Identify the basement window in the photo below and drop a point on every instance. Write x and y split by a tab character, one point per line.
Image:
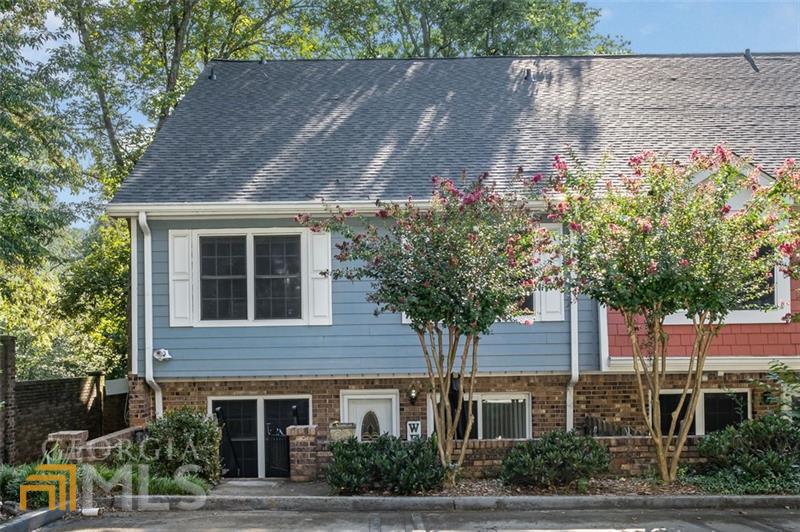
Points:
716	410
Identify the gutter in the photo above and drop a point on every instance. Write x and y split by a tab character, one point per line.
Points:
574	361
148	313
256	209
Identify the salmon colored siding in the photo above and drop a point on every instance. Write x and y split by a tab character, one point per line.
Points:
767	339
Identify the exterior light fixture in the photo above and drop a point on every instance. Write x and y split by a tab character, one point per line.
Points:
162	355
413	394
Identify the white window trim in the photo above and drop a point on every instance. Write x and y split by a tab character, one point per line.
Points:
389	393
249	234
260	434
700	413
489	395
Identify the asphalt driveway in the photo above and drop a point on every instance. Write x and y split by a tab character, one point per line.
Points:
578	520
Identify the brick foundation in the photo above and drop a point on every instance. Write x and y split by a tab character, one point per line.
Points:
610	397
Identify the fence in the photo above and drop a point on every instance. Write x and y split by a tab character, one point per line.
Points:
33	409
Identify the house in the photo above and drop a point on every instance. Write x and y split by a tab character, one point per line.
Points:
230	307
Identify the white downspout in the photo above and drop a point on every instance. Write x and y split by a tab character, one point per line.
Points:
574	361
602	331
148	313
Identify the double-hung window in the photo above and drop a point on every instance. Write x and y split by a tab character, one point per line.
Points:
246	277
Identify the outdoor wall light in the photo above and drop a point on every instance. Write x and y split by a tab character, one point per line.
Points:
412	394
162	355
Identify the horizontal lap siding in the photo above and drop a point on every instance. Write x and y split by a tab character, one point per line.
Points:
358	342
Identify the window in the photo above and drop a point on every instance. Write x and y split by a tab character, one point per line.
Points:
767	299
528	305
497	416
278	287
249	277
223	278
716	409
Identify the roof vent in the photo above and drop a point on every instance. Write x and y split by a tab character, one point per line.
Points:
749	57
212	75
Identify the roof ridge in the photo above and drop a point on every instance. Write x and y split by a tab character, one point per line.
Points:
498	57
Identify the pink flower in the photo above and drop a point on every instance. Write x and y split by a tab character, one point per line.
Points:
536	178
383	213
472	237
683	262
302	218
576	227
528	283
721	153
559	165
644	225
527	321
788	248
652	267
725	209
695	155
472	197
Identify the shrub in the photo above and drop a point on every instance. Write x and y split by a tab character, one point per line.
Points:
757	456
156	485
182	437
388	464
557	459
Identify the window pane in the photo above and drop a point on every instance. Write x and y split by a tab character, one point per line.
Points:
504	418
669	402
223	278
768	298
461	429
527	304
277	284
724	409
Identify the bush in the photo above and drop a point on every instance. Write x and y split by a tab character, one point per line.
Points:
12	477
182	437
156	485
387	464
557	459
757	456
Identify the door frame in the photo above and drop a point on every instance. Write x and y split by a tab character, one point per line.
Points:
260	432
385	393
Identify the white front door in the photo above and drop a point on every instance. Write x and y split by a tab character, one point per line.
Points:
372	416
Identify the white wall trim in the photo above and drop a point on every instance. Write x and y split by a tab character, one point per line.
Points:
386	393
621	364
261	209
134	295
602	331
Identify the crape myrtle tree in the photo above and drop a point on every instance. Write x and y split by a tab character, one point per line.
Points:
785	193
455	266
666	239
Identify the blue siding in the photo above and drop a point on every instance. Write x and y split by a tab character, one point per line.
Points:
358	342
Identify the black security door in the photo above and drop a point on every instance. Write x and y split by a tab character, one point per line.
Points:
279	414
239	449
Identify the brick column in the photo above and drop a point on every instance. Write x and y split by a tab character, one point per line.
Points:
302	452
139	407
8	374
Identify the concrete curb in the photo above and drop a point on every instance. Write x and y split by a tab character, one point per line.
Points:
32	520
519	503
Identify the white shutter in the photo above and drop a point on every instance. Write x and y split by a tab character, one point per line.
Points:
180	278
549	304
320	307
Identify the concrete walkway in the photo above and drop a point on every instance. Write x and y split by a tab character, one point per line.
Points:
575	520
259	487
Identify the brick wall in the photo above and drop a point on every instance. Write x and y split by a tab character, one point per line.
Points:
47	406
547	405
767	339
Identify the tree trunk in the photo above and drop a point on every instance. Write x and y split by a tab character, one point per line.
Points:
440	361
180	29
650	372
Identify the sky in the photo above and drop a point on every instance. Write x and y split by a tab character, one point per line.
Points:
661	26
688	26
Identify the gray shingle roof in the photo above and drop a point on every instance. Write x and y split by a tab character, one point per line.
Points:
355	130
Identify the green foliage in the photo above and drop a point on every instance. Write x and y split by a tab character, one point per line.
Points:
12	477
763	448
759	456
186	484
387	464
182	437
663	243
557	459
95	287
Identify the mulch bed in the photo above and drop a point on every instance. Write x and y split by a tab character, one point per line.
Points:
596	486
